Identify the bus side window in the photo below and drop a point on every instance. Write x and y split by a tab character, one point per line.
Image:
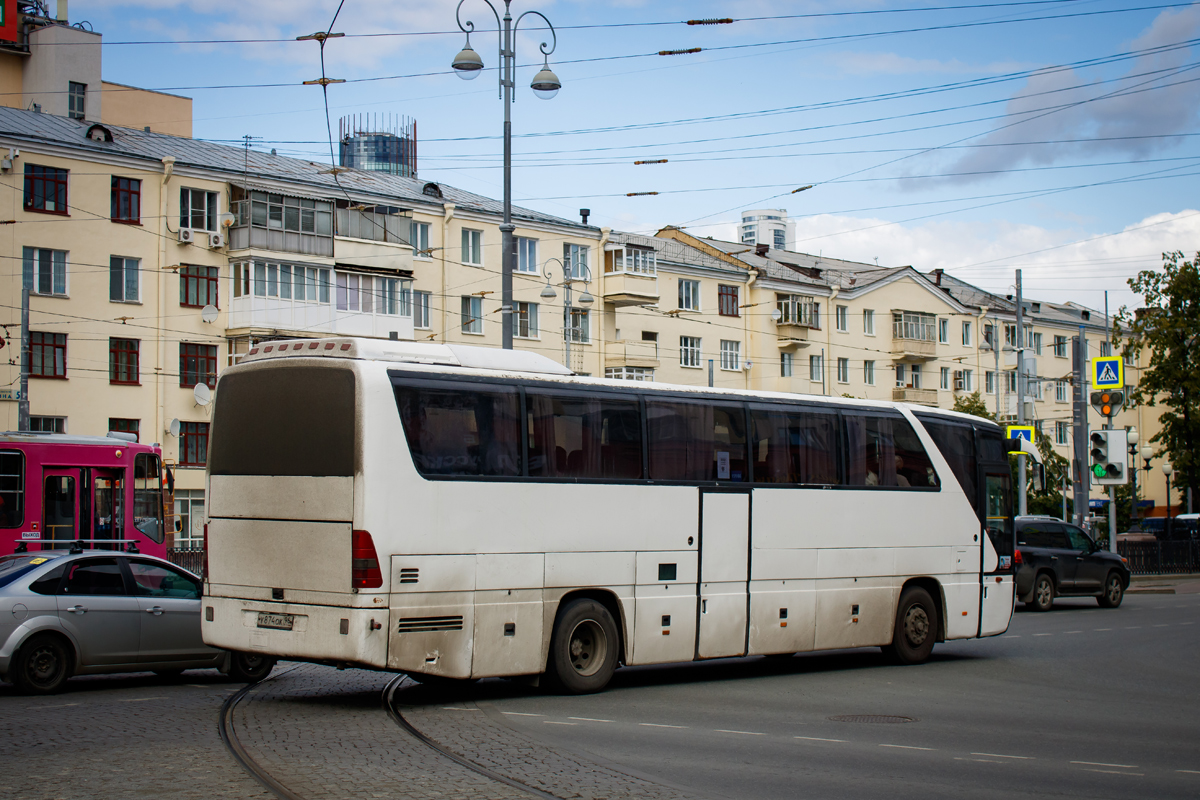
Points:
883	450
593	437
462	429
795	445
696	442
957	443
12	488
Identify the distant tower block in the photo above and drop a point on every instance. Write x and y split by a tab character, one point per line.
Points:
379	142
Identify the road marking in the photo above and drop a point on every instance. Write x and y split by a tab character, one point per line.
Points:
1161	625
61	705
141	699
907	747
980	760
657	725
589	719
1185	623
843	741
1001	755
1072	631
521	714
1114	772
1102	764
1102	629
1043	634
744	733
552	722
1189	771
458	708
1132	627
1011	636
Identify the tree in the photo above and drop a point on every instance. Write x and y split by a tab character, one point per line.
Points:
973	404
1167	329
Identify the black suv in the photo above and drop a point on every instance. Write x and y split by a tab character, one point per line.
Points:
1054	558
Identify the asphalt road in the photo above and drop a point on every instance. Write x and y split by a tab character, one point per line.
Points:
1077	702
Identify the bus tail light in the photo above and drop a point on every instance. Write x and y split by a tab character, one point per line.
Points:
364	569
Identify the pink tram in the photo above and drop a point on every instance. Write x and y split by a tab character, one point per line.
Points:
60	491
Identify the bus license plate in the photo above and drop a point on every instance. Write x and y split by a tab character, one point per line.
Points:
282	622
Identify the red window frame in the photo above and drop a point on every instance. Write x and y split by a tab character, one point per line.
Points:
193	444
198	286
125	426
43	182
727	301
124	361
47	345
197	364
126	205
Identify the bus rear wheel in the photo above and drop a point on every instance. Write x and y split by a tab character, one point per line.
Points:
916	627
583	648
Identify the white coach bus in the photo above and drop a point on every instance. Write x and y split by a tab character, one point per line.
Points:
461	512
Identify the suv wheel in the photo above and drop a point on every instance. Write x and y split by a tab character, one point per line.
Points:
1043	593
1114	592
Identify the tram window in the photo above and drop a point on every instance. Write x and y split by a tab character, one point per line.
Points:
883	450
696	442
592	437
12	489
794	445
462	429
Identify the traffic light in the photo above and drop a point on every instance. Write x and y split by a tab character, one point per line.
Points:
1109	457
1108	403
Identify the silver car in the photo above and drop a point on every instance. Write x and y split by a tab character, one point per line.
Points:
82	613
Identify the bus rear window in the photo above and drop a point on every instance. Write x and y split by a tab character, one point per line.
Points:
12	488
285	420
456	429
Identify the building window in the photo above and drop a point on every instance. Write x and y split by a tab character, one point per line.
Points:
943	331
912	325
989	382
967	376
577	325
1060	346
843	370
869	373
308	284
1060	432
1010	382
1105	349
989	335
1037	344
527	255
197	364
421	309
294	224
48	424
689	351
637	260
47	355
123	279
731	355
193	444
966	337
45	271
785	365
1061	391
198	209
900	383
76	100
780	239
869	322
45	189
189	510
689	295
1010	335
198	286
123	361
914	379
795	309
472	314
525	320
126	203
727	300
419	239
629	373
363	293
125	426
575	257
945	377
472	247
816	369
842	317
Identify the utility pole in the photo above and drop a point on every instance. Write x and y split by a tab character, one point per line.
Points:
1112	490
996	352
1079	426
23	403
1022	507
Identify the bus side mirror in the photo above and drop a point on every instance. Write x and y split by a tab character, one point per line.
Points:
1039	477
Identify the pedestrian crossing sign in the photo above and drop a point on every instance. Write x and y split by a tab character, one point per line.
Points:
1108	373
1020	432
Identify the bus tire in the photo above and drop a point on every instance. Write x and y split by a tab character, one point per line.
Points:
916	627
583	647
249	667
42	665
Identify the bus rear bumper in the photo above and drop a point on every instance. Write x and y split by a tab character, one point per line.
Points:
318	633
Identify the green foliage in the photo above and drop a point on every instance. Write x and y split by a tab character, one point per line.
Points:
1058	474
973	404
1167	330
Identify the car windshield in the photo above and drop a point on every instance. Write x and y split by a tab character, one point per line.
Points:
13	567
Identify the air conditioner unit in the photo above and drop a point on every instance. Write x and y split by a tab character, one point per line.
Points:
187	236
959	384
216	240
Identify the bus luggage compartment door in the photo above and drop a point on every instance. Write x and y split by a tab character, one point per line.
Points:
997	605
724	574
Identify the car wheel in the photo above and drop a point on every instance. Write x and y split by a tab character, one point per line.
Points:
1043	593
583	648
916	628
42	665
250	667
1114	591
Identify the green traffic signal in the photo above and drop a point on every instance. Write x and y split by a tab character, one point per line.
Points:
1098	470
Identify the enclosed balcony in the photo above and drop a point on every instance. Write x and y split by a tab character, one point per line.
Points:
913	336
795	315
632	354
630	276
925	397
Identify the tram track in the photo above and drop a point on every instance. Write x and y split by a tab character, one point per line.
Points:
234	745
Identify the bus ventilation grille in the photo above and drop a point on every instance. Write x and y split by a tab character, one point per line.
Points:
409	574
427	624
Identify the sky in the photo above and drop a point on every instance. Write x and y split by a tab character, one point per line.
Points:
1058	137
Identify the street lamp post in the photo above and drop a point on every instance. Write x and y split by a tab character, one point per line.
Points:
1133	437
585	299
1167	470
545	85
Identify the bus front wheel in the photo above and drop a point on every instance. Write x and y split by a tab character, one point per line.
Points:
916	627
583	648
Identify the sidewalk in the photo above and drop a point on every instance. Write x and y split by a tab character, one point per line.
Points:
1165	584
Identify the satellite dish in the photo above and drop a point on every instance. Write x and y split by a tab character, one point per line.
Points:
173	429
209	314
202	394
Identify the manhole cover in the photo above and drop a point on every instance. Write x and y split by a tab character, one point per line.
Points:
872	718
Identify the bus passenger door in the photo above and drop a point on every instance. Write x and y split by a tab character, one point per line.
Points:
61	497
996	571
724	573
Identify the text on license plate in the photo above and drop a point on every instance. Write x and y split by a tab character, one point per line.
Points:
281	622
